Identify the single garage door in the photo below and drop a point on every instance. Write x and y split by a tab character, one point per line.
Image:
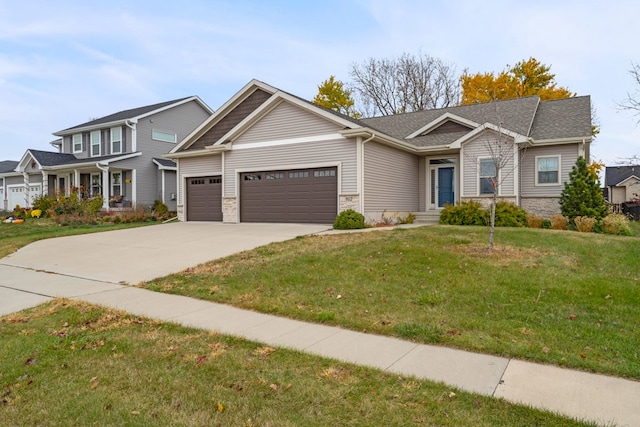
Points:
204	198
299	196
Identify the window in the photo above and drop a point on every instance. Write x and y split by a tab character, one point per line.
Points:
216	180
324	173
163	136
116	183
253	177
116	140
77	142
487	176
548	170
302	174
276	175
95	143
96	184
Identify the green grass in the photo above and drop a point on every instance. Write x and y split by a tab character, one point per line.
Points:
15	236
563	298
70	363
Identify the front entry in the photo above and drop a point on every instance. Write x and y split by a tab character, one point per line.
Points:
445	186
442	183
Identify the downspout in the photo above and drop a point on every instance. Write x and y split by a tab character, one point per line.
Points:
105	185
360	166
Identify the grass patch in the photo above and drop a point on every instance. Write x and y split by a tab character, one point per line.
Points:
564	298
70	363
15	236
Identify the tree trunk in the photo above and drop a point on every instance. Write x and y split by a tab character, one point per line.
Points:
492	220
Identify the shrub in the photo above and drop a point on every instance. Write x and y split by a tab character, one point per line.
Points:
582	196
584	224
534	221
559	222
508	215
616	224
44	202
409	219
349	220
160	210
468	212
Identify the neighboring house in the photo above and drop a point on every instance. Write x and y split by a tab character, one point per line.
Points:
269	156
622	183
7	168
117	156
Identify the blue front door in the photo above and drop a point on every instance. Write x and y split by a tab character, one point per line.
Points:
445	186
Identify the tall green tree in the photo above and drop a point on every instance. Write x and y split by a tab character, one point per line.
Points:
333	94
582	195
525	78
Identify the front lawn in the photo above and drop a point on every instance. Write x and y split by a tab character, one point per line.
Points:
70	363
557	297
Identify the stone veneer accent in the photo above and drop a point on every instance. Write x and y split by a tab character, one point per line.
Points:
349	201
180	212
229	209
541	206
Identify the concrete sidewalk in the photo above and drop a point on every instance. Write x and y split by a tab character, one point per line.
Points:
27	279
602	399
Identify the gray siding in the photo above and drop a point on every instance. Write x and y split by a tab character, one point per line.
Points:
197	166
391	179
291	156
181	120
568	156
287	121
477	148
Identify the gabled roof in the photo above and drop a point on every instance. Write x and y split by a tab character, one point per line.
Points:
132	114
614	175
8	166
54	160
238	114
525	119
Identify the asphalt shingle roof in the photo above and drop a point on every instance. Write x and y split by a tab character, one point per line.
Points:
565	118
7	166
614	175
50	158
165	162
126	114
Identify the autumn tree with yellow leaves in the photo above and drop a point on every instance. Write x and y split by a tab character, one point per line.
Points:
333	94
526	78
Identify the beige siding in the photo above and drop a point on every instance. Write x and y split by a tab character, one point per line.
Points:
287	121
568	156
422	184
478	148
197	166
391	179
341	151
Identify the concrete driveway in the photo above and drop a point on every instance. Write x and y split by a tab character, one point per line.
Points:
141	254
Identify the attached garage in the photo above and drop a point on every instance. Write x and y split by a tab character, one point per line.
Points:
296	196
204	198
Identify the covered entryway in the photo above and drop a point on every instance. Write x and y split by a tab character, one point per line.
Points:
204	198
295	196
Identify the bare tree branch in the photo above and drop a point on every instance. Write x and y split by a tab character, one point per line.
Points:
405	84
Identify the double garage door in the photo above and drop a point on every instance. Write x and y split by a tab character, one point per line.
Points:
297	196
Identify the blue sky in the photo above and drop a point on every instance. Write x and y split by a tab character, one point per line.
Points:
65	62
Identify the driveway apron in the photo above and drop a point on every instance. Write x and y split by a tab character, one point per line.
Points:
144	253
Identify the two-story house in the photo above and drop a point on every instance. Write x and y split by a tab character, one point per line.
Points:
118	156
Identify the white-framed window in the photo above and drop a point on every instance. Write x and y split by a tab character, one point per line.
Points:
96	143
547	170
116	183
487	177
116	140
96	184
76	142
159	135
